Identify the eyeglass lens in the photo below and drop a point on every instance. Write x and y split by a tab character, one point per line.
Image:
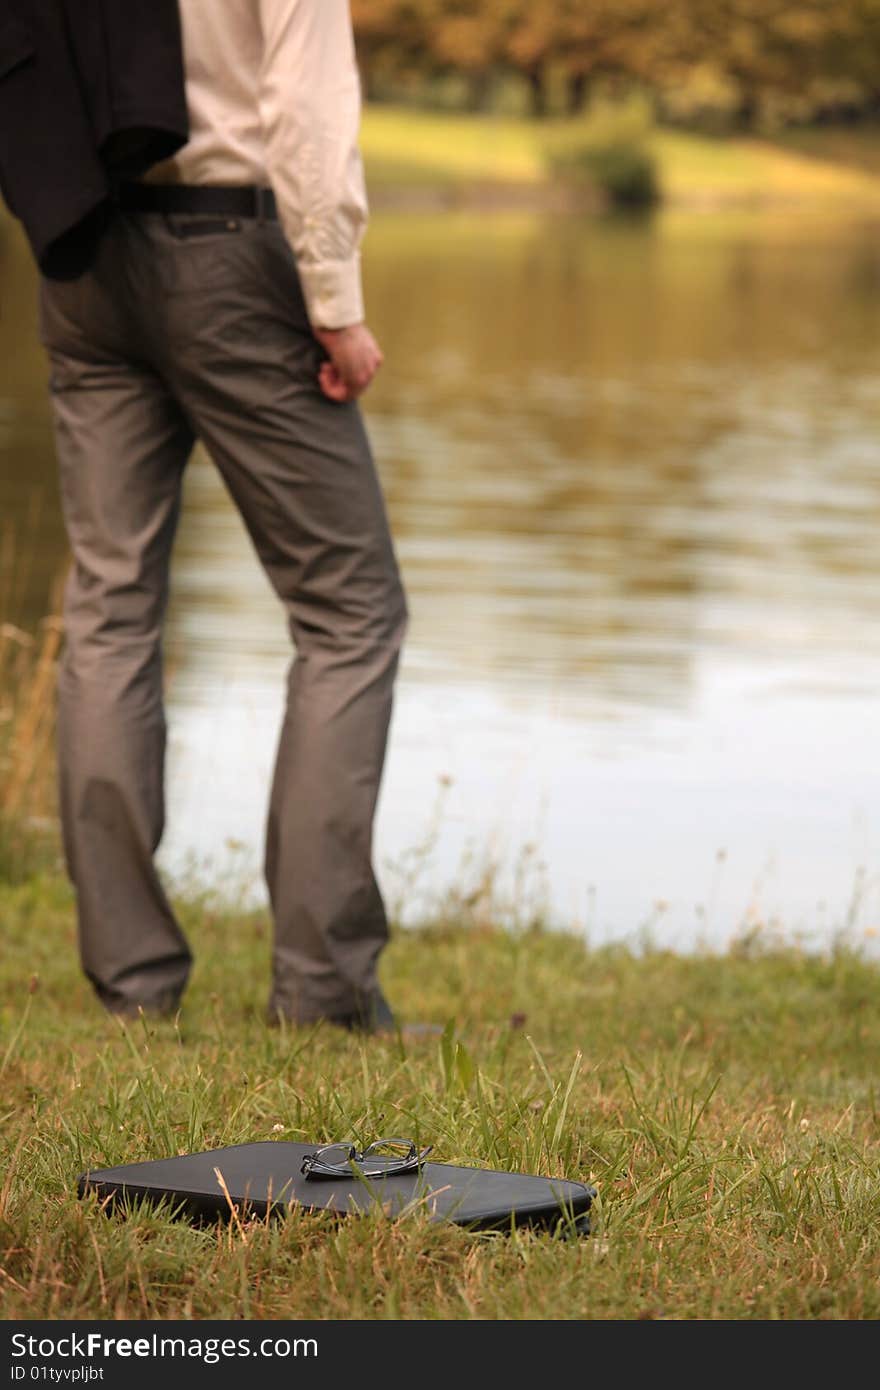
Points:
386	1153
336	1155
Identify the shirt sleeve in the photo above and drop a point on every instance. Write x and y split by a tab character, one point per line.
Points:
310	105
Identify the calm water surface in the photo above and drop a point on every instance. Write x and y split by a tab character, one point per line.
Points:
634	481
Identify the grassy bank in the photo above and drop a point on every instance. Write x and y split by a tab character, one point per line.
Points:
458	158
725	1108
28	664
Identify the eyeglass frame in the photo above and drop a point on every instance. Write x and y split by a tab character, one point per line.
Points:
313	1166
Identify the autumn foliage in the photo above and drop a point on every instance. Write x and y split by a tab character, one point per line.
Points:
749	58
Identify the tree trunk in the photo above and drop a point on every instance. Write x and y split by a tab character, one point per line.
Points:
535	78
479	90
747	110
365	69
576	94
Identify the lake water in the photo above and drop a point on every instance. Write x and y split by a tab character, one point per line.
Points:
633	475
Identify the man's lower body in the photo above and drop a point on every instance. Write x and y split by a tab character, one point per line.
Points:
195	328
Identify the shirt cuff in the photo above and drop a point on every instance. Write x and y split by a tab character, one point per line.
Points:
333	293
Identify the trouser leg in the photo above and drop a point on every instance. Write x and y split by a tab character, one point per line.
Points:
300	469
122	446
347	616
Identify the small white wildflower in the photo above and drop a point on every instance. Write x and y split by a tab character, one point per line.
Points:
278	1129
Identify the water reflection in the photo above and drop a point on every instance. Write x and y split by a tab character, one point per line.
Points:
634	485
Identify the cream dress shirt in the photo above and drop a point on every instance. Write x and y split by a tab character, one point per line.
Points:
274	98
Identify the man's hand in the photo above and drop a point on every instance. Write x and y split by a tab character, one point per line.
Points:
355	357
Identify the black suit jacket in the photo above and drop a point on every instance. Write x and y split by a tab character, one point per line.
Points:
90	91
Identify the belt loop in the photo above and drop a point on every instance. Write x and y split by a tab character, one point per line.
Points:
265	204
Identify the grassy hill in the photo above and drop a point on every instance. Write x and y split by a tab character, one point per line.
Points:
463	158
725	1107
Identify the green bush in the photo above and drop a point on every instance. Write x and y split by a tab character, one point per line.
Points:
626	173
609	151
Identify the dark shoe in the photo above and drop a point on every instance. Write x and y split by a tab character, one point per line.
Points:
392	1029
375	1018
130	1010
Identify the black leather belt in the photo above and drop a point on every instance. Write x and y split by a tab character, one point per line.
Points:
199	199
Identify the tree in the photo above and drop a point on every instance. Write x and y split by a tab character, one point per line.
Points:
467	36
764	51
389	35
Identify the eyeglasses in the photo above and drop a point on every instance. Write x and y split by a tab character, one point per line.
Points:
384	1158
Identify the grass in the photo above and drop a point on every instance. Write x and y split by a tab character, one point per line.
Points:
724	1107
411	146
852	146
463	158
28	661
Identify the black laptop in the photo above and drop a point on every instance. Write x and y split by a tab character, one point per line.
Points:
255	1179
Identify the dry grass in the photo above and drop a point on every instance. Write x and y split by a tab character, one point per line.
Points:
28	666
725	1107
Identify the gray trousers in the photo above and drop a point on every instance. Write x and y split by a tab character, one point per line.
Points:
187	328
